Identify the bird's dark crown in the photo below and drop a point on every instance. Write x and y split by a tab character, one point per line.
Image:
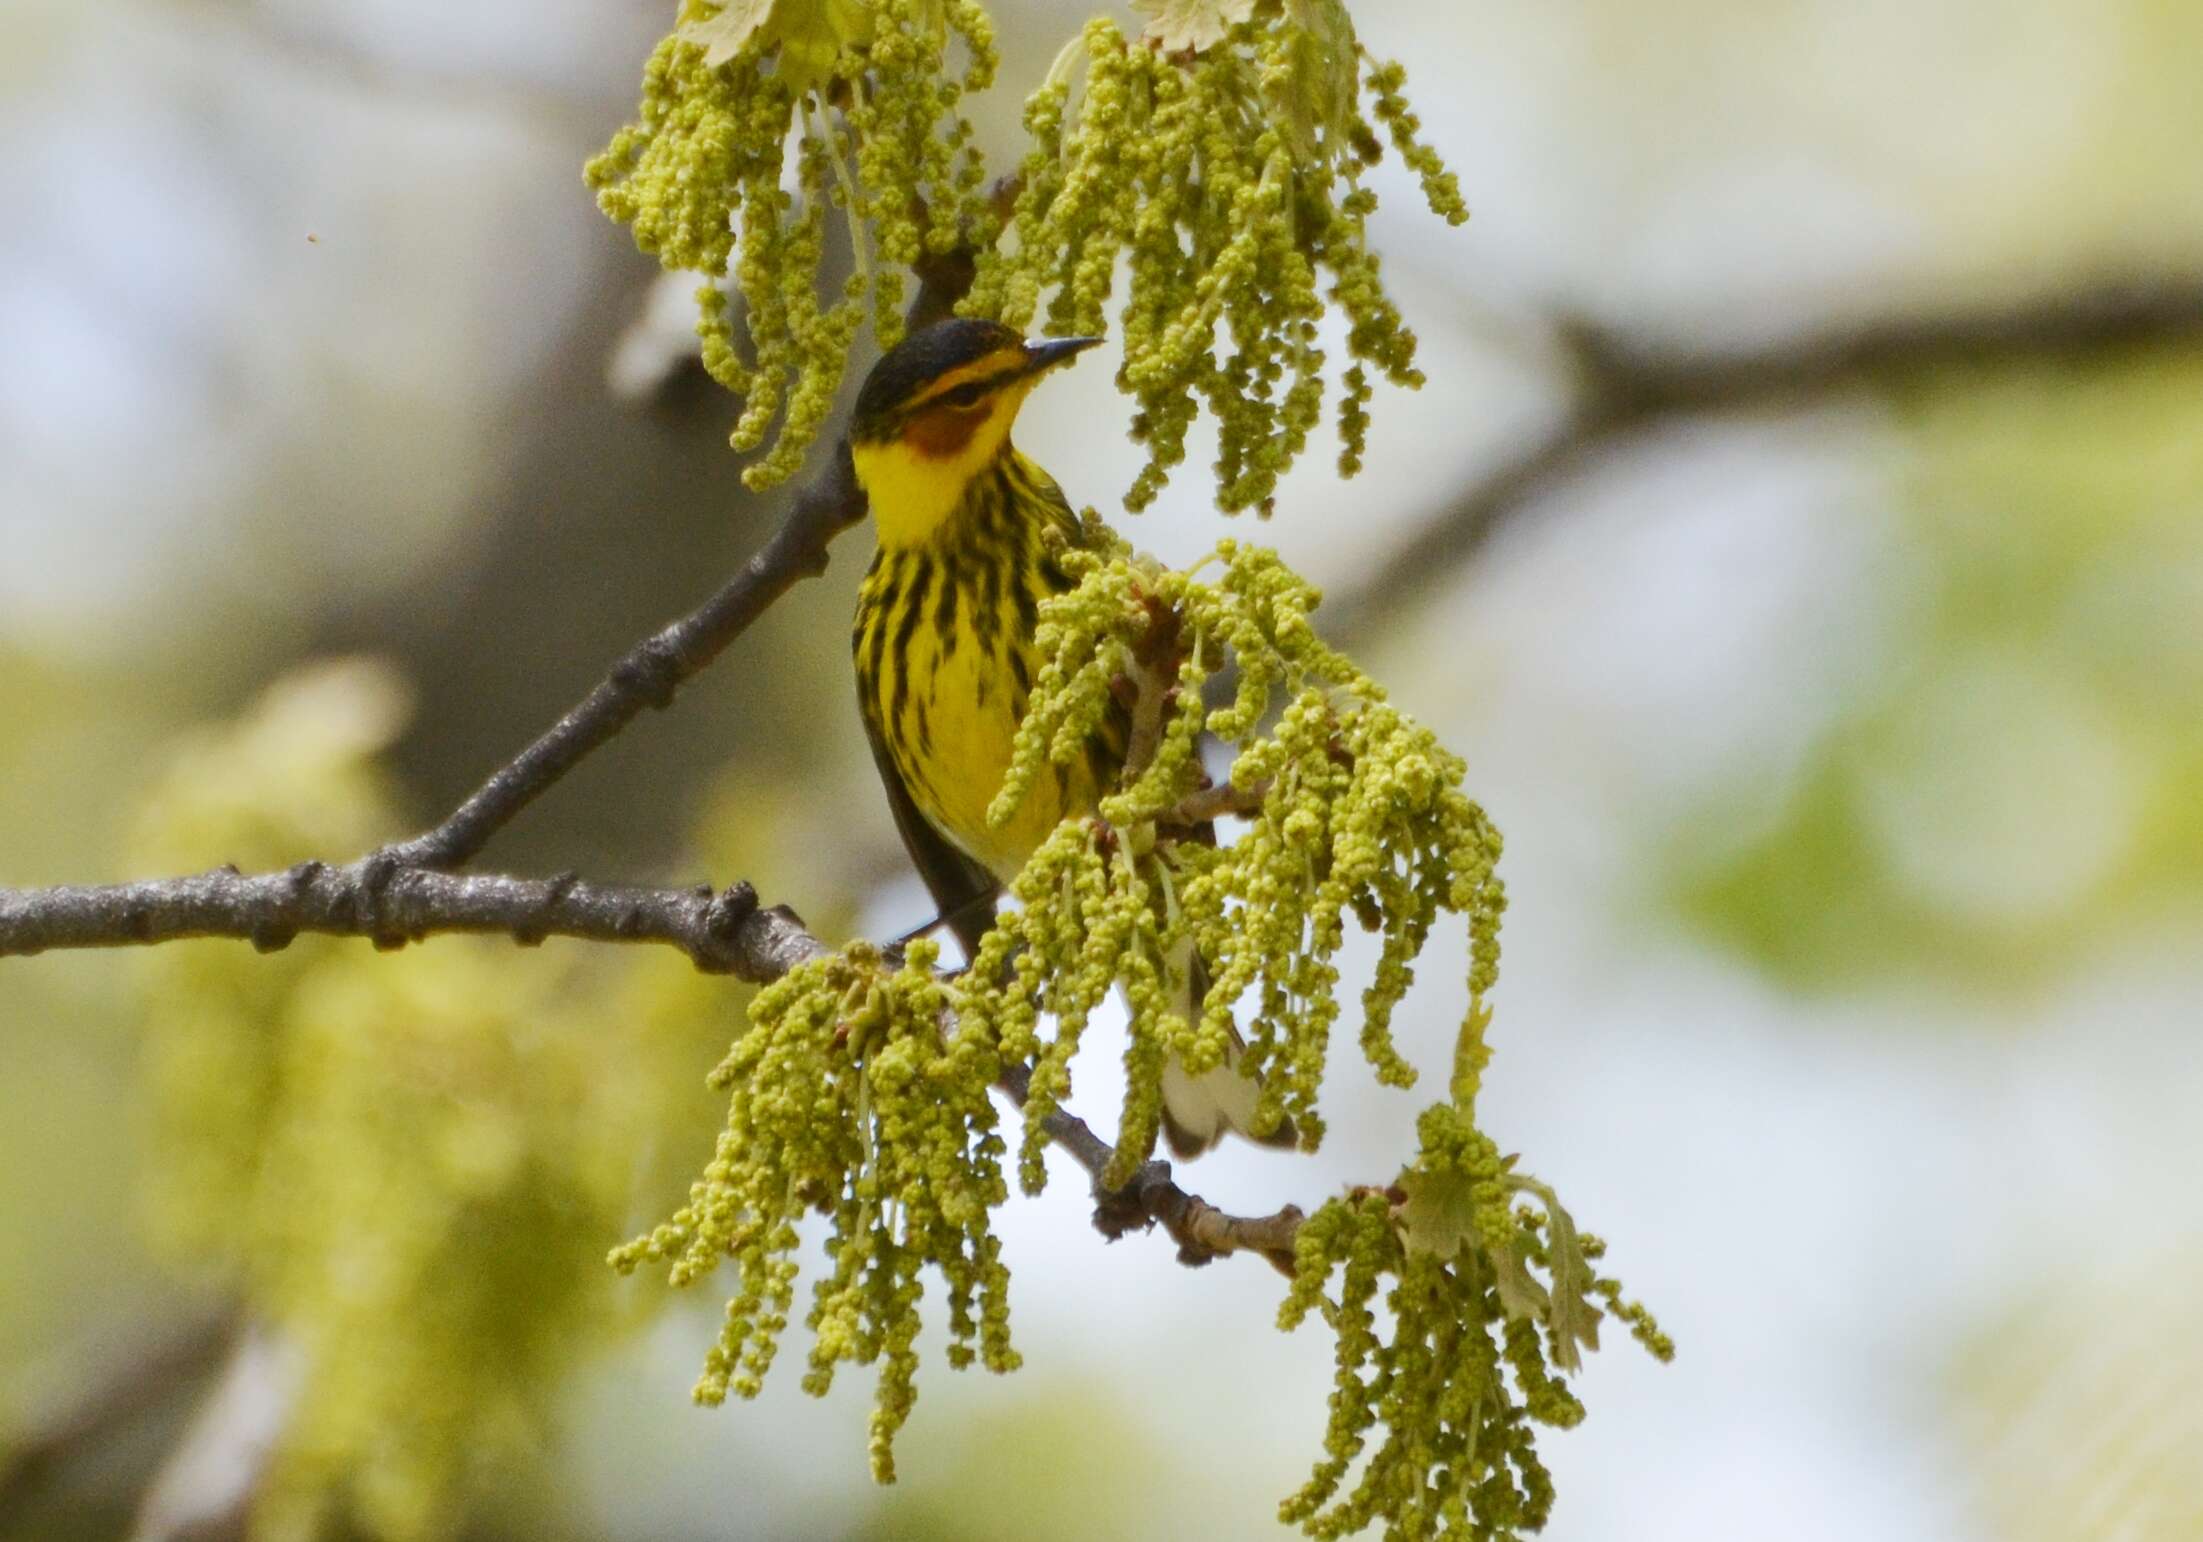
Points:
919	360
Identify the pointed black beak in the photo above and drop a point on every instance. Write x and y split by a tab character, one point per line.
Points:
1047	352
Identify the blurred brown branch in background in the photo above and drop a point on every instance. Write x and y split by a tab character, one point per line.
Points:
648	676
1621	391
101	1400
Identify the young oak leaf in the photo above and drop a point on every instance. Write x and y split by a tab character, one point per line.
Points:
1571	1318
1520	1294
1439	1214
1438	1217
810	34
726	31
1190	26
1316	102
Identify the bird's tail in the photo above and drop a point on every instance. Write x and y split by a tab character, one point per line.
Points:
1198	1111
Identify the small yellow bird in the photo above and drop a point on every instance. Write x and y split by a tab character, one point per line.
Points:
944	643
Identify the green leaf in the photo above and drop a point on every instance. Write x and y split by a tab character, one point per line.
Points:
810	35
727	31
1317	102
1519	1291
1190	26
1439	1214
1571	1318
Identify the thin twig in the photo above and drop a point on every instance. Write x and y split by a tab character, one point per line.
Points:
1214	802
726	933
1153	1198
1150	681
654	669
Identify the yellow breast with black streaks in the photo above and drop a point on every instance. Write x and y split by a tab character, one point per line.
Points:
946	662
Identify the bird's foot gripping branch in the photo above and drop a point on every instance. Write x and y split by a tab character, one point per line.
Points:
861	1087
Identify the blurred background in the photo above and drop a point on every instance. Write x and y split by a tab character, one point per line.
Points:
1801	535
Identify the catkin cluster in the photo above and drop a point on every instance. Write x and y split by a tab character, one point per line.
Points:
1223	165
1486	1305
1352	809
861	90
861	1088
849	1099
1356	811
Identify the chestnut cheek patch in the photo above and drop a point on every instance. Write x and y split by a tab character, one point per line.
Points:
941	433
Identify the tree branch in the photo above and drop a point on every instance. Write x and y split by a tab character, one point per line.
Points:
724	933
1153	1198
1622	391
353	900
1214	802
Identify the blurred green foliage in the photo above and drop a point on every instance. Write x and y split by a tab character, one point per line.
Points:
2024	783
405	1167
72	748
962	1484
408	1167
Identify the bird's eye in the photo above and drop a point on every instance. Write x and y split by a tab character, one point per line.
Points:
965	395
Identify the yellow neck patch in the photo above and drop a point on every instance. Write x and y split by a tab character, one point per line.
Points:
918	479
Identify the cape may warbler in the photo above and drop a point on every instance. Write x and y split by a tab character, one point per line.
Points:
944	641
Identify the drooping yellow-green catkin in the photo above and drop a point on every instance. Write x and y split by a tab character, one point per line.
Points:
1222	166
861	1087
1216	163
1486	1307
848	1100
1361	815
862	91
1219	157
